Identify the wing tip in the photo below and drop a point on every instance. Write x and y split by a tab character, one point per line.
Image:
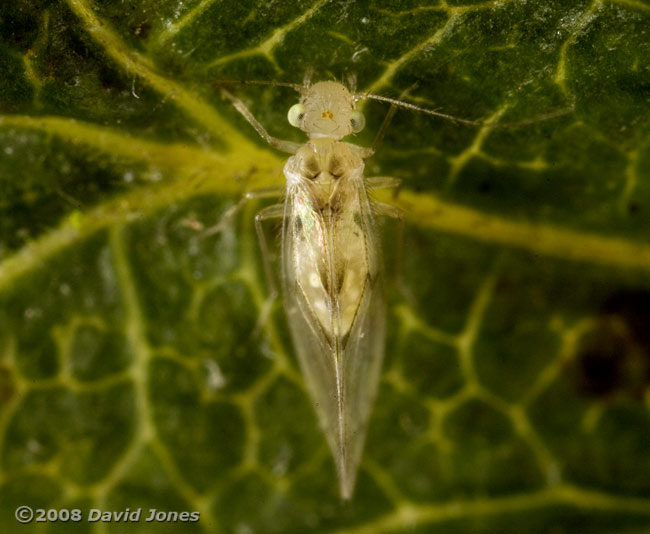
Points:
347	475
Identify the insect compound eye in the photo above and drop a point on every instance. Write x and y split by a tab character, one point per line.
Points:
358	121
296	114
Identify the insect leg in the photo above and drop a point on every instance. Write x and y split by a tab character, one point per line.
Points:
280	144
383	182
388	210
389	117
227	217
363	151
275	211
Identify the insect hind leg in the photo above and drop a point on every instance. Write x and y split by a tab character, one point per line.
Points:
275	211
230	213
388	210
384	182
270	212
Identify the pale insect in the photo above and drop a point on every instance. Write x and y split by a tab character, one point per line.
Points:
331	261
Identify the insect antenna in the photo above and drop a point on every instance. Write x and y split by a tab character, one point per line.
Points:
294	86
352	82
395	103
539	118
306	80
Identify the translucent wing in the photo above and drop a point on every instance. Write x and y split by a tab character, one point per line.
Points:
334	301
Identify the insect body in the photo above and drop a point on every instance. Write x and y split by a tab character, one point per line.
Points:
332	292
332	285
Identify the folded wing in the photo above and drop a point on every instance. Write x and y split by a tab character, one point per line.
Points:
334	301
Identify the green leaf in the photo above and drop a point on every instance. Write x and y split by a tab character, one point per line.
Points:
515	395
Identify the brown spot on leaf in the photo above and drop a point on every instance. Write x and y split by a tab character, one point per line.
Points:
613	358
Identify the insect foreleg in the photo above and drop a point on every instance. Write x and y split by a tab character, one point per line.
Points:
227	217
280	144
389	117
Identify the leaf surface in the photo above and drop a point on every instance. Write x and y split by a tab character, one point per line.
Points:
515	393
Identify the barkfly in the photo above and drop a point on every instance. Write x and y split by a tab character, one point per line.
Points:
331	259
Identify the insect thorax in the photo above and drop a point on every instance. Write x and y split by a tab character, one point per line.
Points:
330	261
